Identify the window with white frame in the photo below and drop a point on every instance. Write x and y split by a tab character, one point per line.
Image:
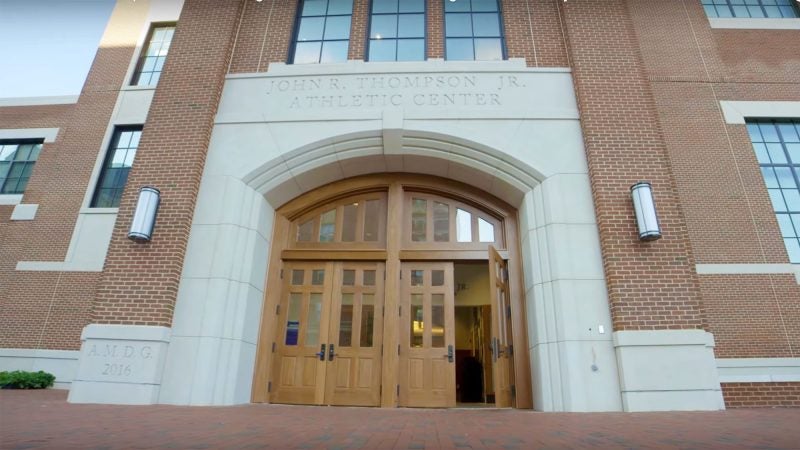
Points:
778	9
777	147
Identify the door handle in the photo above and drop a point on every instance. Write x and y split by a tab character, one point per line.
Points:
321	353
450	354
331	353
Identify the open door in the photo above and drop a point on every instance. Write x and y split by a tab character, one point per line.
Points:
501	347
427	345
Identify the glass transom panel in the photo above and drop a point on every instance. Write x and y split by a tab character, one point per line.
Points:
359	222
437	221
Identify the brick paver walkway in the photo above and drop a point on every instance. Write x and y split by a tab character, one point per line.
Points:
43	419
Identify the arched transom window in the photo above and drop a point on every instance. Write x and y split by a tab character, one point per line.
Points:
357	221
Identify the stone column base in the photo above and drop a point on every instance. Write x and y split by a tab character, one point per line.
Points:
668	370
120	364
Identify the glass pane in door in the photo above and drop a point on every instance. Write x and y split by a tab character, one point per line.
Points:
437	320
417	324
293	318
314	316
367	320
346	321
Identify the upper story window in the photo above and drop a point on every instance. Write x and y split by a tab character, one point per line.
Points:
777	146
17	159
473	30
397	30
151	63
116	167
751	8
323	31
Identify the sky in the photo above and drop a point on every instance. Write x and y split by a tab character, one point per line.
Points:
47	46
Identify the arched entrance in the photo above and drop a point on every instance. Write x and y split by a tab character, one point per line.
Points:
372	306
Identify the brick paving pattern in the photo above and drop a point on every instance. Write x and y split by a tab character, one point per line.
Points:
43	419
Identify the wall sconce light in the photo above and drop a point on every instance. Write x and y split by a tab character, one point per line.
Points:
144	217
645	208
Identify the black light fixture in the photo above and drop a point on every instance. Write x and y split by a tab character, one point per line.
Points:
645	208
144	217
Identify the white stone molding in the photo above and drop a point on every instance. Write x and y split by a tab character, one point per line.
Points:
24	212
38	101
764	23
264	153
758	370
61	363
120	364
736	112
47	134
668	370
10	199
88	246
748	269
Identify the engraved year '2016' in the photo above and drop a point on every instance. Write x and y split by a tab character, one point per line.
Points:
119	370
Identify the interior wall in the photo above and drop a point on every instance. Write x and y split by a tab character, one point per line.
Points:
474	282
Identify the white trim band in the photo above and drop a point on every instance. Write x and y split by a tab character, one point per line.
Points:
38	101
736	112
48	134
61	363
765	23
758	370
749	269
59	266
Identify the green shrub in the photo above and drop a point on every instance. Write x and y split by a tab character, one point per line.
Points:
26	380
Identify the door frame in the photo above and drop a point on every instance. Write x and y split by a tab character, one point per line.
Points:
395	184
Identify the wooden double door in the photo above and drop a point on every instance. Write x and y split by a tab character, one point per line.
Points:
328	350
329	345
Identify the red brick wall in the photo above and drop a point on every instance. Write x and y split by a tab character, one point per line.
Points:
359	26
264	36
651	285
40	116
140	280
749	319
533	31
761	395
49	309
46	310
692	67
435	29
729	217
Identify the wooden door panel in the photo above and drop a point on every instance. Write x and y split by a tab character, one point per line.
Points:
427	376
502	361
287	364
356	332
439	374
303	317
366	373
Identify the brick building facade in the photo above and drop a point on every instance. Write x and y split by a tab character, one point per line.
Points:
561	107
